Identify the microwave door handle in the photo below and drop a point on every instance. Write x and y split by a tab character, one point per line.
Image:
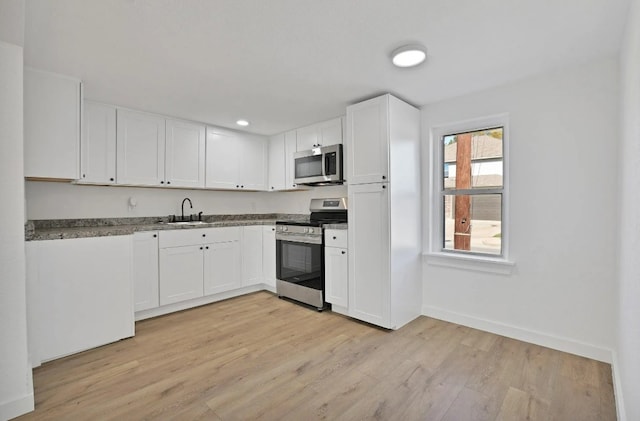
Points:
324	165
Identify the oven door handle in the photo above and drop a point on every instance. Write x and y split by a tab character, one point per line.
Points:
299	240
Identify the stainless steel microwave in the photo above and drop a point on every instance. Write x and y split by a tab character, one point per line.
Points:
319	166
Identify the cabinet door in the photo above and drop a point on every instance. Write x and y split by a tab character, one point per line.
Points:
222	159
51	125
290	150
330	132
307	137
336	276
140	148
82	294
98	151
369	253
367	152
269	255
276	178
145	270
181	273
253	163
185	154
251	255
221	267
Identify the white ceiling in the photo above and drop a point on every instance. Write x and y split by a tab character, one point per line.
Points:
283	64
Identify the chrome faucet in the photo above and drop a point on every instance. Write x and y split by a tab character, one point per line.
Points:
190	204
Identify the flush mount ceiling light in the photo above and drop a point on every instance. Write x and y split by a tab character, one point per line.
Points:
409	55
243	123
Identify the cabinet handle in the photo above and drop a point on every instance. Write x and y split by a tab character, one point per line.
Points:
200	248
343	252
168	182
242	187
204	235
384	187
271	187
84	175
335	238
384	177
162	182
273	229
112	179
207	247
155	235
237	186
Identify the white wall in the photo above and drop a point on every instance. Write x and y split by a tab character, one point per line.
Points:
563	218
627	361
16	388
50	200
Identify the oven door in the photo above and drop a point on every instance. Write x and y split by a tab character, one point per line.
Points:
300	263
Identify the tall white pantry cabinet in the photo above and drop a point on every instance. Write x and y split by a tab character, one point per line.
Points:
384	232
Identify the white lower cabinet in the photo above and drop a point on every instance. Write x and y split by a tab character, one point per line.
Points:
269	256
369	256
198	262
251	255
80	294
336	269
145	270
221	267
181	273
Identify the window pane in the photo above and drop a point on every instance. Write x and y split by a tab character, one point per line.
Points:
477	225
473	159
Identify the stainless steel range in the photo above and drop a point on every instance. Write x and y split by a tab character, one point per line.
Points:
300	252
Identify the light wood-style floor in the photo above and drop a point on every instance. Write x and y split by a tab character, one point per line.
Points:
258	357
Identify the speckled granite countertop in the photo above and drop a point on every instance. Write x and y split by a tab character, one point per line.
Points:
56	229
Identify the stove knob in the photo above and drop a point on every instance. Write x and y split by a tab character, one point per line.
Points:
285	229
310	230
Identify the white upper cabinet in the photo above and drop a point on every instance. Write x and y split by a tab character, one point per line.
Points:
235	160
307	138
367	148
51	125
277	170
185	154
222	159
98	150
141	148
154	151
320	134
253	163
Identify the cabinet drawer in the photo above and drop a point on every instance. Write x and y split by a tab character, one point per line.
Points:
182	237
222	234
335	238
192	237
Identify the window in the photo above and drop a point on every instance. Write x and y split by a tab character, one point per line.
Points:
470	189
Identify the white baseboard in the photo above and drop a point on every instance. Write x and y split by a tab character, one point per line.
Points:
17	407
196	302
617	388
539	338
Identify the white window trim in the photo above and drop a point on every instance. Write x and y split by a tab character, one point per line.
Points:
435	254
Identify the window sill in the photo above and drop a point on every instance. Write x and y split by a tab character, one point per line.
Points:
473	263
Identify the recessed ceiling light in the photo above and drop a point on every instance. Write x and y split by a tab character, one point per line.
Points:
409	55
243	123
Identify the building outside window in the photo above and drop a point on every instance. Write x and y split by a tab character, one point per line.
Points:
470	189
